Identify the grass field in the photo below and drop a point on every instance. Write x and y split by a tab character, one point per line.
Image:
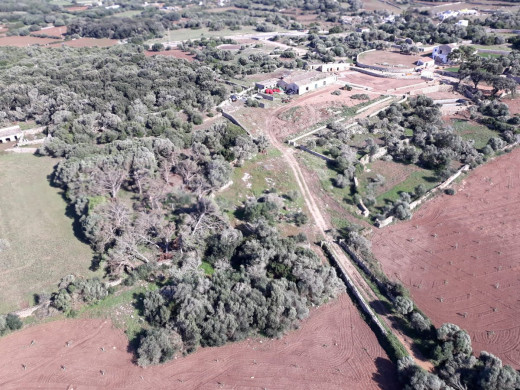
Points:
421	176
42	247
264	172
187	33
469	130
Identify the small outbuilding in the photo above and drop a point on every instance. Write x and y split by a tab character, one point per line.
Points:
265	84
10	134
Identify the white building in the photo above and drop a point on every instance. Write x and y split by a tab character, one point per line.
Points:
330	67
468	12
463	22
269	83
300	82
447	14
440	53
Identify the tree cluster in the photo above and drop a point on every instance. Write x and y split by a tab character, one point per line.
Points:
262	284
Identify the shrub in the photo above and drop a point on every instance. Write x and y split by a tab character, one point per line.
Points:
360	96
157	346
449	191
300	219
403	305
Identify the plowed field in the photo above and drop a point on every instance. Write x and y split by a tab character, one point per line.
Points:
460	257
334	349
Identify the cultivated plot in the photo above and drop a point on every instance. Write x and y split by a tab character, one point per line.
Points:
459	257
334	349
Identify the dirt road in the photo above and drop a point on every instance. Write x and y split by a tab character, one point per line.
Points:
273	125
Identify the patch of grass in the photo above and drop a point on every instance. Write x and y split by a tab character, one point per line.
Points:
469	130
33	220
127	14
489	55
120	308
342	195
455	69
422	176
264	172
187	33
27	125
208	268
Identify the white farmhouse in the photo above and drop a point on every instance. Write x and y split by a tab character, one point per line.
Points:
463	22
300	82
440	53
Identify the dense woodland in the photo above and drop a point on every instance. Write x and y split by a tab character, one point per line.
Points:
139	181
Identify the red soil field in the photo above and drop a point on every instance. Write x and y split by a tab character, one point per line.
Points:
334	349
52	31
514	105
177	53
459	257
87	42
24	41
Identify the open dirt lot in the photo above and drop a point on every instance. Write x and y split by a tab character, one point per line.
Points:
459	257
177	53
42	247
379	84
391	58
334	349
299	115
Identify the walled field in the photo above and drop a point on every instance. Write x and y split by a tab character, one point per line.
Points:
379	84
334	349
42	245
87	42
459	257
398	178
19	41
177	53
385	58
52	31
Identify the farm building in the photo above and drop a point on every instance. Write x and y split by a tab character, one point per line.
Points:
440	53
10	134
300	82
463	22
330	67
269	83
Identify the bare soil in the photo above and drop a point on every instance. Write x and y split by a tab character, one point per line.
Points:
379	84
52	31
20	41
459	257
514	105
177	53
333	349
303	112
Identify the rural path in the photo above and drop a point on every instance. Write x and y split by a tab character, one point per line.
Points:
322	226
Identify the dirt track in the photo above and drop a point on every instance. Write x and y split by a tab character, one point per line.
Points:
459	257
334	349
276	131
